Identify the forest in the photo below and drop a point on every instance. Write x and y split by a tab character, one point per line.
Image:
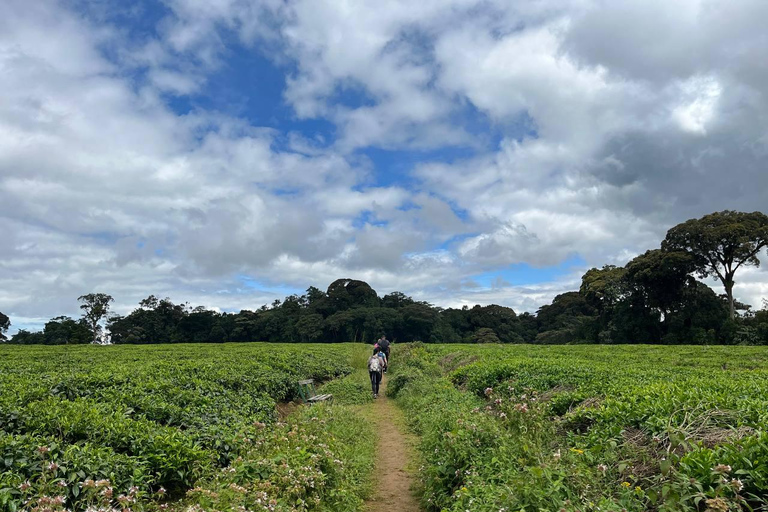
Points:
656	298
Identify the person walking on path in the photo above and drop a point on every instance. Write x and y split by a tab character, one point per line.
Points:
384	361
384	347
375	369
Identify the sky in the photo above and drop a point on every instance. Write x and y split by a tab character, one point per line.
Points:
230	152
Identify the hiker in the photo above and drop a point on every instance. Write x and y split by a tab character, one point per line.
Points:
375	369
383	358
382	355
383	344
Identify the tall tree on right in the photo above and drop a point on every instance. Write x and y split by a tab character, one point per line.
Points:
720	244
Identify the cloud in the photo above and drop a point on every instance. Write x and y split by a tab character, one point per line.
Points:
528	133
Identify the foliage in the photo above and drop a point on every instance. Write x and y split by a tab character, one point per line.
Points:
319	460
720	243
25	337
164	417
61	330
754	329
589	428
349	311
5	324
485	335
661	278
95	308
354	389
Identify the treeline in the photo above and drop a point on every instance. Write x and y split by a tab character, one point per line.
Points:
349	310
655	298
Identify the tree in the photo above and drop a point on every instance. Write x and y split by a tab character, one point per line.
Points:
720	244
454	326
491	316
5	323
661	281
24	337
761	323
150	302
526	327
245	326
485	335
500	319
700	318
419	319
605	290
63	330
603	287
345	325
396	300
569	318
95	308
309	328
198	327
349	293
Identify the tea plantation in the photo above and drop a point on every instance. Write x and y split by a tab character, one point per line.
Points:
587	428
176	427
500	427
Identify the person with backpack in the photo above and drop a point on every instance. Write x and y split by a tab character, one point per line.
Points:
375	370
383	358
383	344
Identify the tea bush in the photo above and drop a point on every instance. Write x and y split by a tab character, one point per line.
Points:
139	426
318	460
354	389
590	428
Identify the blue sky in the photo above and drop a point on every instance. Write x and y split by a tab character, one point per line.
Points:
230	152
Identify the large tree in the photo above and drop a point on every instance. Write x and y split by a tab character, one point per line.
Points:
350	293
603	287
5	323
569	318
605	290
95	308
24	337
720	244
661	278
63	330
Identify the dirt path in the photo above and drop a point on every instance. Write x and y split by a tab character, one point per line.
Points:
393	487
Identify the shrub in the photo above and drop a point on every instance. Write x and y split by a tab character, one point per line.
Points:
627	428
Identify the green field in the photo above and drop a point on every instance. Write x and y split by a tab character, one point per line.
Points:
174	425
581	428
500	427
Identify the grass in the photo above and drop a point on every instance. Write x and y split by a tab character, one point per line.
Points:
355	388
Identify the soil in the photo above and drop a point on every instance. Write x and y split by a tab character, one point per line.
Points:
394	481
285	409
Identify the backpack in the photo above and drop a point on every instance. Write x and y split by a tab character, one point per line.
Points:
374	364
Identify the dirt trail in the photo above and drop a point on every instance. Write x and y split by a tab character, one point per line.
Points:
393	486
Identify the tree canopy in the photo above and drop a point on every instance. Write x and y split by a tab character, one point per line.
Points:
720	243
95	308
5	324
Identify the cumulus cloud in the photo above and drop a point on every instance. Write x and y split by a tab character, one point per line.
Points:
581	128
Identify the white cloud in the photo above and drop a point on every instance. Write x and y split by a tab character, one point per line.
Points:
612	121
700	101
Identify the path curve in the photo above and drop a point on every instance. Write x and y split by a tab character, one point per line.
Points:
393	482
